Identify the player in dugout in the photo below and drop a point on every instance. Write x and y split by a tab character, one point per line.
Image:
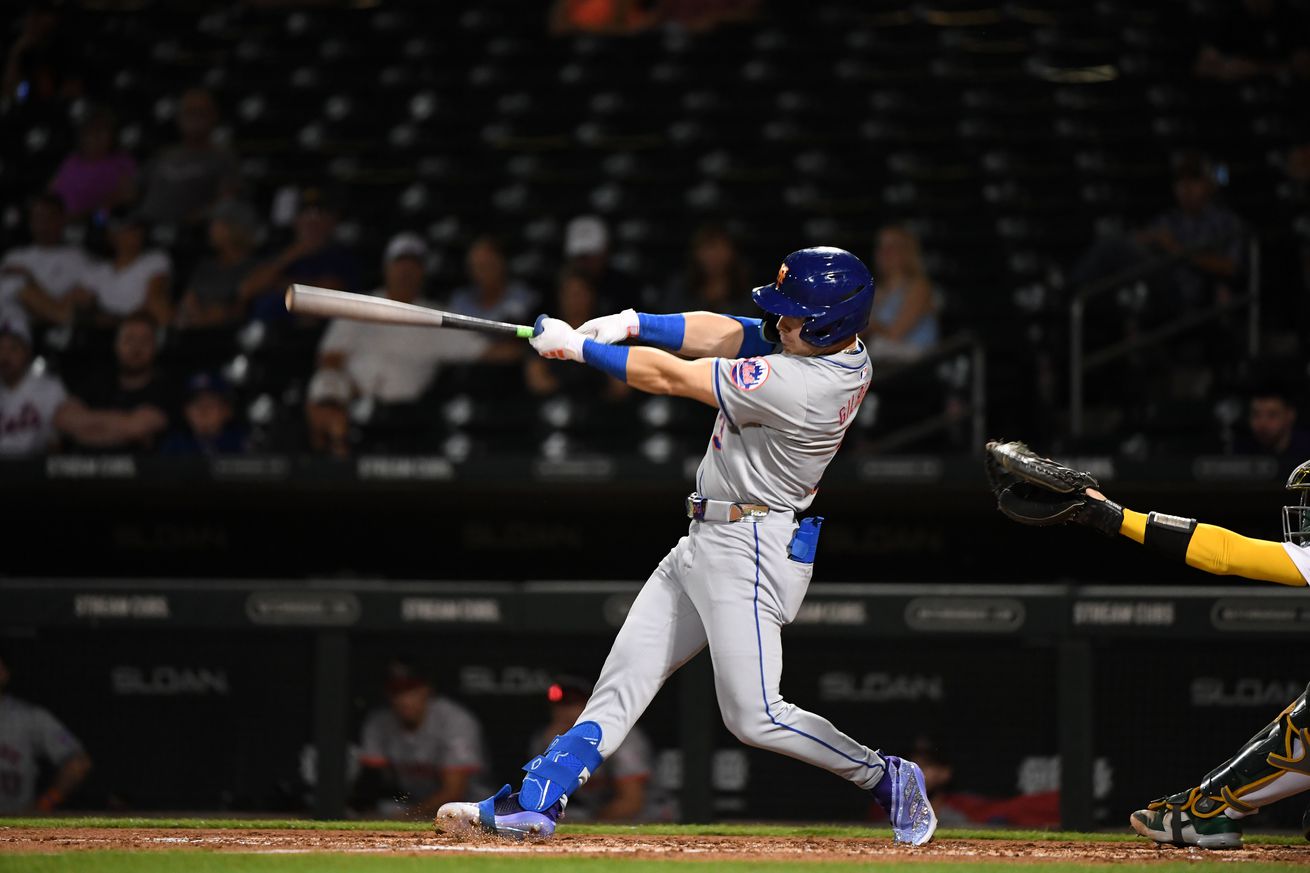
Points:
32	739
418	752
1273	764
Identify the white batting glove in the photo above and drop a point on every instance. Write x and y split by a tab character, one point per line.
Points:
610	329
553	338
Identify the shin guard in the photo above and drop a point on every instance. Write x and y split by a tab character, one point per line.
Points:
564	767
1272	765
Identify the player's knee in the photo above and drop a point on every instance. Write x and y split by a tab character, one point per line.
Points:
751	728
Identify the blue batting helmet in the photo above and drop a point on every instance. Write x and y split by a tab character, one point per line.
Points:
830	288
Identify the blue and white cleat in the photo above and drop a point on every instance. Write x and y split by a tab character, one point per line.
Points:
502	816
903	794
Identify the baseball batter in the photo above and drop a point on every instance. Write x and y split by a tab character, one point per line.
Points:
1272	765
786	389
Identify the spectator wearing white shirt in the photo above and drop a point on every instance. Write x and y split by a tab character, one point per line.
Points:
391	363
43	277
135	279
28	399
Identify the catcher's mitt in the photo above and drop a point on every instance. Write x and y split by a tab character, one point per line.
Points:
1039	491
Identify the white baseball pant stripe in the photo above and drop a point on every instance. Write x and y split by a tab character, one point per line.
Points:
730	586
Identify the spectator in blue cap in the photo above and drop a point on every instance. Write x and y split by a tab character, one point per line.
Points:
211	425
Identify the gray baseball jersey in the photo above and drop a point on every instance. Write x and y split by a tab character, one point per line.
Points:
448	738
781	421
733	586
29	735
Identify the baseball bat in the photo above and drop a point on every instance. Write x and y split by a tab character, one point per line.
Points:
325	302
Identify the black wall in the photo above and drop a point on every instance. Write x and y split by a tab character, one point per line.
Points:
915	520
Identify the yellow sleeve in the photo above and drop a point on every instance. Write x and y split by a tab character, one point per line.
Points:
1224	553
1134	526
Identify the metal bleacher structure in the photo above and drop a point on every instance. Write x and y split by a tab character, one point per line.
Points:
1007	135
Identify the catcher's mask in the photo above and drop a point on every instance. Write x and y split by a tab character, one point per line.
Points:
1296	518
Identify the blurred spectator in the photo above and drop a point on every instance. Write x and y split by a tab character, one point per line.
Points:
186	180
1271	419
43	277
618	17
586	248
1298	166
42	65
717	277
96	176
1197	223
1297	195
903	324
134	278
313	257
492	293
213	295
396	363
599	16
211	427
128	410
619	791
699	16
327	413
420	751
575	303
1256	38
1209	237
32	740
28	399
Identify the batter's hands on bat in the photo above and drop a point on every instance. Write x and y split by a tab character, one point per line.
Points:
553	338
610	329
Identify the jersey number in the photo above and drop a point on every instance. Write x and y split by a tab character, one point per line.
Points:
717	439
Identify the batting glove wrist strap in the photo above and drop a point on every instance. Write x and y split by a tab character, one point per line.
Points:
607	359
753	341
665	331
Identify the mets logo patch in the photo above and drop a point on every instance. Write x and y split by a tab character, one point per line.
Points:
750	373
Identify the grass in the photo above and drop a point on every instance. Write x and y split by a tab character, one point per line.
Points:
204	862
674	830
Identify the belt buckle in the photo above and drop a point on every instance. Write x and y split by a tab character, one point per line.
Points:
695	506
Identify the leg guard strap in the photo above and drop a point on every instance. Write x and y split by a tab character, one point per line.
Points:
487	808
566	765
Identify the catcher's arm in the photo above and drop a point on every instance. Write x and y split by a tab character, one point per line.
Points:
1210	548
1039	491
